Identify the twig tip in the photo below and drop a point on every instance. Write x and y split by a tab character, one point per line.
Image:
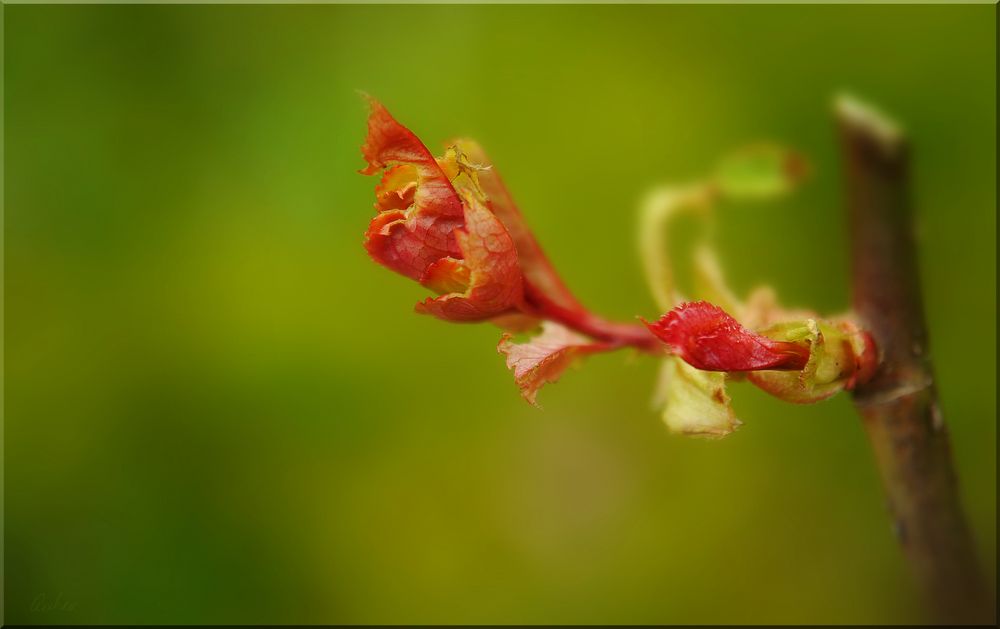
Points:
865	119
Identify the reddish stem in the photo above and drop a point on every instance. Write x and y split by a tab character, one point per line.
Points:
583	321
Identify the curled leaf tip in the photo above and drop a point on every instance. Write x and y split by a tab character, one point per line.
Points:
707	338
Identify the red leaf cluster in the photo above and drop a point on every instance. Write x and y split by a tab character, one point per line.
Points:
425	230
449	223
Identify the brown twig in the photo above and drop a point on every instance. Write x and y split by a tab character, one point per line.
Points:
899	405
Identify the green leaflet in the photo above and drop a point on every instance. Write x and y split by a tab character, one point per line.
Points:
832	362
758	172
694	402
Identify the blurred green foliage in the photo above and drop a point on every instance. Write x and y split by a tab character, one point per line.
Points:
218	410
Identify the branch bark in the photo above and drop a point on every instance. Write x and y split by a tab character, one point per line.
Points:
899	405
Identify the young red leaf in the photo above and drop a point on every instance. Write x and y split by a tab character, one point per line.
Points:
419	209
487	282
445	238
539	274
707	338
545	357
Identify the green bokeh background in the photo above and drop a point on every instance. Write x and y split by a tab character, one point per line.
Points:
219	410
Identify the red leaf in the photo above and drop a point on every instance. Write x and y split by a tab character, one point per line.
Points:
444	237
419	209
707	338
538	270
545	357
487	282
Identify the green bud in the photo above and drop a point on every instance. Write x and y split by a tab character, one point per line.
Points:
839	354
759	172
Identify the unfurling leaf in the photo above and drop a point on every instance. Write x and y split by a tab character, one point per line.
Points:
545	357
539	274
800	361
426	230
418	210
839	355
487	281
694	402
709	339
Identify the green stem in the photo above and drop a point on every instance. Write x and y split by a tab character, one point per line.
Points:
660	207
